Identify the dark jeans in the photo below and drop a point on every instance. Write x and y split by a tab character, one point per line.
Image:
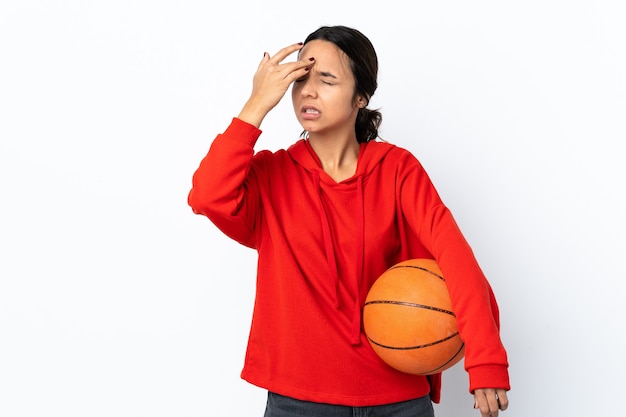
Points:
281	406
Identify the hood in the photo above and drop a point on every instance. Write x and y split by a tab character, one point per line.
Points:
370	155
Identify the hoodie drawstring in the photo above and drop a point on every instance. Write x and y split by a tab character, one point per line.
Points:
355	331
328	243
360	258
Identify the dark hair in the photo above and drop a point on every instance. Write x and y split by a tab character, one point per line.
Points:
364	66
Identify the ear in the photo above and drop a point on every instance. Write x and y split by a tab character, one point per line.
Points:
361	102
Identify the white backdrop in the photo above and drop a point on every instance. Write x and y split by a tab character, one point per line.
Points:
115	300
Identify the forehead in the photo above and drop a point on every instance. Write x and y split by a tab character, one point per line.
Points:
328	57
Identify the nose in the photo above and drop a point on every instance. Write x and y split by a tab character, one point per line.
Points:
307	88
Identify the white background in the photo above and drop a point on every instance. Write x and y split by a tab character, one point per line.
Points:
115	300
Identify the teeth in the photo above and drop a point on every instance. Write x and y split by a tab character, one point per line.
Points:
311	111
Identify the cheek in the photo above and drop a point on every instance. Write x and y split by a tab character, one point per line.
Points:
294	92
295	99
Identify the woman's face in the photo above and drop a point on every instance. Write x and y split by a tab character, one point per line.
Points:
324	100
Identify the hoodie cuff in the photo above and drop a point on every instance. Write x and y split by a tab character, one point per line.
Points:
242	131
489	376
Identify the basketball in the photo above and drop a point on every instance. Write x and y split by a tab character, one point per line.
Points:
408	319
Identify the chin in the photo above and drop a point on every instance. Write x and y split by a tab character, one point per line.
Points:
309	127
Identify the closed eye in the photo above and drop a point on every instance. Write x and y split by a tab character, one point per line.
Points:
327	76
302	79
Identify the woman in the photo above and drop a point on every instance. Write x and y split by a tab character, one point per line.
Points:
327	216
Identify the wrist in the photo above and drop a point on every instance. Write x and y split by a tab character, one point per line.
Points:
252	113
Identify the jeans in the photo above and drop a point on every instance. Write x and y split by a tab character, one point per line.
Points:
281	406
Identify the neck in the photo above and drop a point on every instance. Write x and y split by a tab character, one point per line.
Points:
338	156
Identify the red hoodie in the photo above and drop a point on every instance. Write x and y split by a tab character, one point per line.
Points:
321	245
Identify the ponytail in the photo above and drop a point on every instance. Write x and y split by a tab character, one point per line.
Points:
367	123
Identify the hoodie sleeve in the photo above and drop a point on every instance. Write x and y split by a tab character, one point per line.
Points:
223	186
472	298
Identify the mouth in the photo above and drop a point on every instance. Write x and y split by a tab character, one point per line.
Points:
310	112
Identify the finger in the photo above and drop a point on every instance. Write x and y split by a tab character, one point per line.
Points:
487	402
483	407
289	71
285	52
480	403
503	400
492	403
298	69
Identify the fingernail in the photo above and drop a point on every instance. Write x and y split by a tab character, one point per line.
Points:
300	43
311	59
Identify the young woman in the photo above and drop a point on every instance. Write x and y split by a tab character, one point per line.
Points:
327	216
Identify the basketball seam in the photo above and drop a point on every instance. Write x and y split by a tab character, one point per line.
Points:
414	347
444	365
420	268
407	304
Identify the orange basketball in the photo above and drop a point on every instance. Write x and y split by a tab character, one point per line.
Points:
409	321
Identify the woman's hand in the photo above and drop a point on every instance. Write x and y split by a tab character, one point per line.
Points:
270	83
490	400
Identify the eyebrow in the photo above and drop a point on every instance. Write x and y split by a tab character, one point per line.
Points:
327	74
